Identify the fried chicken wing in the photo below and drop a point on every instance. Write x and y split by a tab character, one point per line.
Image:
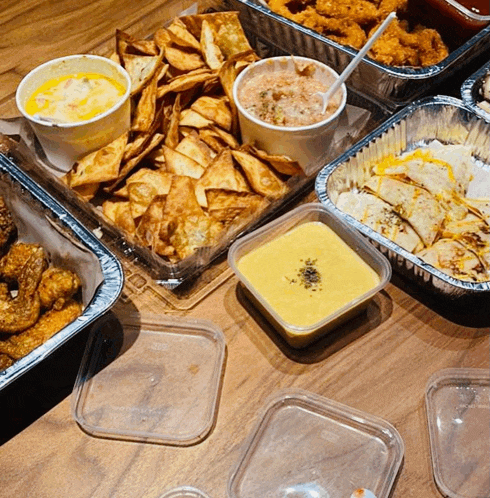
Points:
5	361
359	11
12	264
57	286
20	312
18	346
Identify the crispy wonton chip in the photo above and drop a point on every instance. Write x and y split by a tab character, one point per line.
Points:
145	110
188	117
126	42
180	164
262	179
282	164
99	166
211	52
215	109
141	69
192	146
119	213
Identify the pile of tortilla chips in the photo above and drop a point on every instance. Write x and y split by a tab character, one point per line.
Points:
180	179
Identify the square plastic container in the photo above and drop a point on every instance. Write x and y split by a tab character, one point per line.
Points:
471	91
301	336
184	492
458	413
307	446
159	383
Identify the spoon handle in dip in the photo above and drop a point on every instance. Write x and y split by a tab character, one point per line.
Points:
355	61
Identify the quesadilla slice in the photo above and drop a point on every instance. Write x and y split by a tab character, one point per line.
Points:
379	215
454	259
414	204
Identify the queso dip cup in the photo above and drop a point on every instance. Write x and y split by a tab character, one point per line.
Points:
305	144
65	143
271	299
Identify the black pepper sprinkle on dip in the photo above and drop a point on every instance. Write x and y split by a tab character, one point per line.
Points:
308	276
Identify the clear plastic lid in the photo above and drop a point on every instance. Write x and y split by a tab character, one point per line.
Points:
184	492
153	379
307	446
458	411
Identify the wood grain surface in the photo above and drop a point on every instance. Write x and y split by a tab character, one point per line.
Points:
379	362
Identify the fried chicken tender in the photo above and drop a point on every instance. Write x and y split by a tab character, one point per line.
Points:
20	312
57	286
12	264
397	47
5	361
7	225
359	11
51	322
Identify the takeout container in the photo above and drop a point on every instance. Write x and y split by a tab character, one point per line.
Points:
296	336
457	402
306	144
392	87
471	90
64	143
40	219
305	445
159	382
434	118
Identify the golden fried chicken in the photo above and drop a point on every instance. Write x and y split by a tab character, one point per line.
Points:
359	11
5	361
57	286
18	346
398	47
22	311
13	262
7	225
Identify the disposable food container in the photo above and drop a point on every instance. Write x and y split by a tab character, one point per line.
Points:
392	87
64	143
302	335
41	219
305	445
458	414
471	92
184	492
441	118
157	380
361	116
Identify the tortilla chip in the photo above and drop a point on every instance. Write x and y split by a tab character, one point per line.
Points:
172	133
180	164
120	214
162	39
148	229
226	137
192	146
87	192
221	173
182	58
185	82
212	139
214	108
188	117
282	164
141	69
210	50
262	179
125	42
229	205
99	166
180	35
145	110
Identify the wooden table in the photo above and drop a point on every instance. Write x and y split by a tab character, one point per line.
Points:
378	363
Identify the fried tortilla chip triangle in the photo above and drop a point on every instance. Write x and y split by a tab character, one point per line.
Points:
99	166
141	69
210	50
214	108
180	164
262	179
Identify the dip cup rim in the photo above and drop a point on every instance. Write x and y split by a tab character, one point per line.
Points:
99	117
264	124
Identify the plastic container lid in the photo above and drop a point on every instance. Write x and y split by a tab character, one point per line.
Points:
184	492
157	380
307	446
458	412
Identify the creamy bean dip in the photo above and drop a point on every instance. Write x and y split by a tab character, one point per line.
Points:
285	98
74	98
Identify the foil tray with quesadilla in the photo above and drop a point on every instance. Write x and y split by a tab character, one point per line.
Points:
419	188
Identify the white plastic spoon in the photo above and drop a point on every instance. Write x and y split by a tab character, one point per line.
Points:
354	62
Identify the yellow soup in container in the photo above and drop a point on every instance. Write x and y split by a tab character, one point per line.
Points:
309	277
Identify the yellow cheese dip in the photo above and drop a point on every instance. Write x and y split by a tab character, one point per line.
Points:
75	97
307	274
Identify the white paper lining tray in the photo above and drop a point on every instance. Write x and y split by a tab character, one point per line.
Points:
470	90
392	87
40	219
434	118
159	383
307	446
458	412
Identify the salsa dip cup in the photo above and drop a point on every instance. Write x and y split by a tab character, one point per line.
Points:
305	144
65	143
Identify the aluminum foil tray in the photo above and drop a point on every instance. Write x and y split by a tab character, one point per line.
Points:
42	219
391	86
441	118
470	90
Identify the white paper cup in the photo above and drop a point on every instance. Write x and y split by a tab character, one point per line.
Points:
305	144
65	143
